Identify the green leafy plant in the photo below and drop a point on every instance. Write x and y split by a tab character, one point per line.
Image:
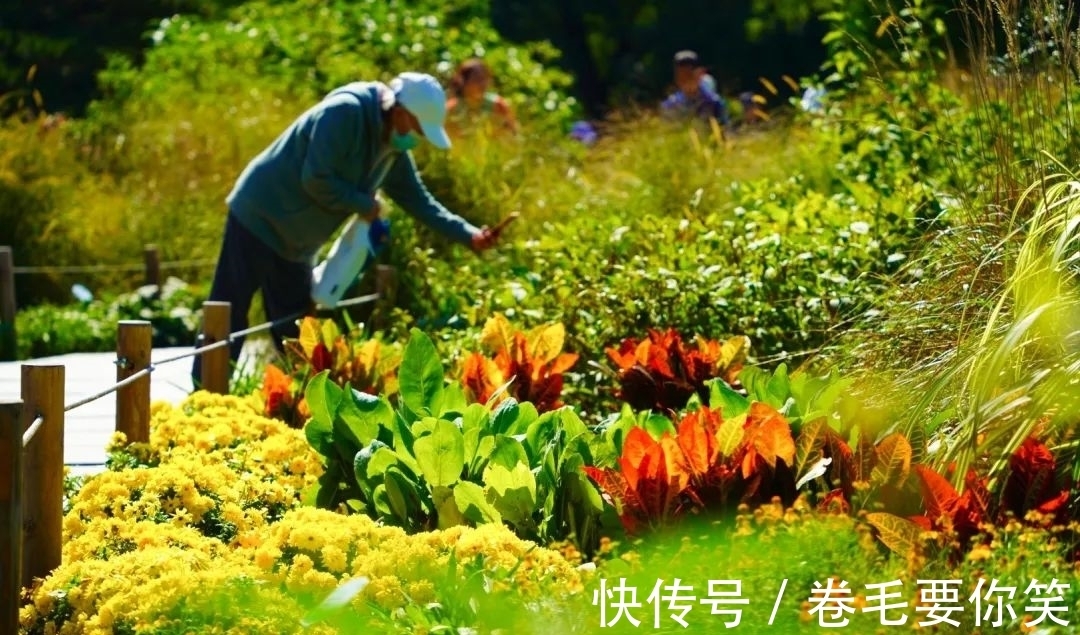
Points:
435	461
173	309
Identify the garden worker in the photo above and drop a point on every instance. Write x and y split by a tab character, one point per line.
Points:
471	99
324	168
692	96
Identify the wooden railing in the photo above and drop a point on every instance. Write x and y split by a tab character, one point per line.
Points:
32	439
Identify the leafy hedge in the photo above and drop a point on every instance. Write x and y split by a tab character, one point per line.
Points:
173	310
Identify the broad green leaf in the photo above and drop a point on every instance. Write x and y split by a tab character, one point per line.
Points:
472	444
441	454
755	380
658	425
454	401
374	410
475	416
446	508
473	503
512	492
309	496
778	387
421	376
571	423
364	473
483	452
724	398
323	397
540	433
380	461
423	426
527	414
404	498
351	427
382	502
320	434
508	452
693	404
505	415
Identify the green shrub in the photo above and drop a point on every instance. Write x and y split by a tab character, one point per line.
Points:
174	313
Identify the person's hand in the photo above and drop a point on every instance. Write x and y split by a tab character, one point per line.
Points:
484	239
376	211
488	236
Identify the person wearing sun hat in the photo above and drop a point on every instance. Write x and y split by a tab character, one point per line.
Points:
318	173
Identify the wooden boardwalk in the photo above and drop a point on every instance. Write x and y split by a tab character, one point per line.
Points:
88	428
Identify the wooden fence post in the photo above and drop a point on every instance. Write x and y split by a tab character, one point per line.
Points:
152	262
386	288
133	346
43	516
8	343
215	363
11	534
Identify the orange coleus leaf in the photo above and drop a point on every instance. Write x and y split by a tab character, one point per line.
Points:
939	496
275	380
621	496
698	442
276	388
562	363
653	471
1031	477
545	393
481	377
835	502
624	357
767	438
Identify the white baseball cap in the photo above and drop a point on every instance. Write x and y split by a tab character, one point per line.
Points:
422	95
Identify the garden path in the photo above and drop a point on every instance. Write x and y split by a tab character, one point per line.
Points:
88	428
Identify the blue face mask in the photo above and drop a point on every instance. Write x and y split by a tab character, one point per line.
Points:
404	142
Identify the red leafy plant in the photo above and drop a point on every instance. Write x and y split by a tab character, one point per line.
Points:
368	366
534	361
913	498
701	466
663	371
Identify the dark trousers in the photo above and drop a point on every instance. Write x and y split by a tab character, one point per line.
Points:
246	265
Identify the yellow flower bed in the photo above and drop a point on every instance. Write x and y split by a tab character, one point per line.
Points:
208	535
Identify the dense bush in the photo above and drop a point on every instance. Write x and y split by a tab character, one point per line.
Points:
173	311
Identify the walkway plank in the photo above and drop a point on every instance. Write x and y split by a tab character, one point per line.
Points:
88	428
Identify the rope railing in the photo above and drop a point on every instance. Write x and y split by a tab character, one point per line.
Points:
132	268
32	439
151	267
203	349
28	436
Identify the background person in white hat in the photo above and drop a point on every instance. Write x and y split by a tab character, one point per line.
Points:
325	167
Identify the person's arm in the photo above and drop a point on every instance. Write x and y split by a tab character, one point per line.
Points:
335	131
404	187
671	107
721	109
